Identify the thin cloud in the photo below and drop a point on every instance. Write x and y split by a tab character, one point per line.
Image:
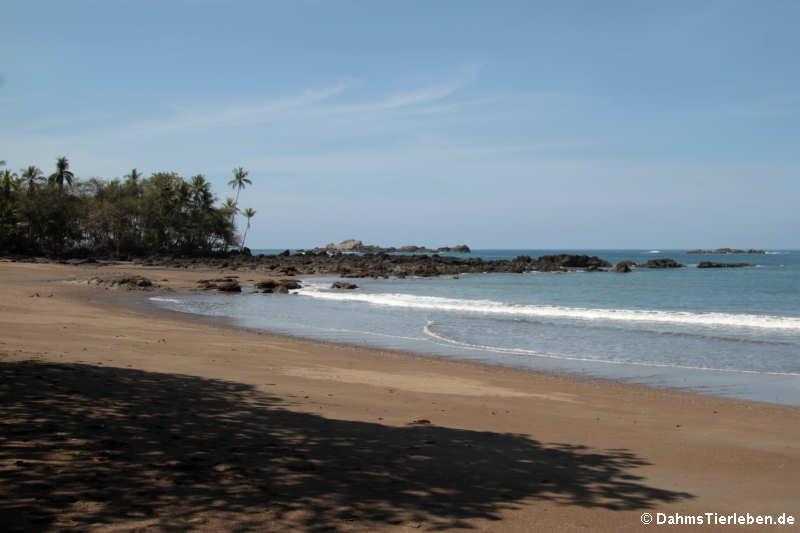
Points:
408	99
242	115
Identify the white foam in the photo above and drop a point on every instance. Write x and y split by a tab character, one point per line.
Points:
160	299
654	252
489	307
519	351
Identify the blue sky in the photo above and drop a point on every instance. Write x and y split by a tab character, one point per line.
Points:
498	124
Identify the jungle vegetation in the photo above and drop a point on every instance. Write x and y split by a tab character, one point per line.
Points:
60	214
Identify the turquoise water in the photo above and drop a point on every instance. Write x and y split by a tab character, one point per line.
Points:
729	332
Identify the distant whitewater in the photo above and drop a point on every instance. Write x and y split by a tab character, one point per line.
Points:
732	332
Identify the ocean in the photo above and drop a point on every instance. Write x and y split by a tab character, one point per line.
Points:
731	332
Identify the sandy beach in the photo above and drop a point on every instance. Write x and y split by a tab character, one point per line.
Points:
116	417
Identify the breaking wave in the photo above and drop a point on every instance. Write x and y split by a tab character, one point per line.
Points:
489	307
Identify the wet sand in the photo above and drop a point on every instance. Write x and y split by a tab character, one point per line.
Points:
119	418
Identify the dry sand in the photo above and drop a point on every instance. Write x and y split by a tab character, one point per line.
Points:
118	418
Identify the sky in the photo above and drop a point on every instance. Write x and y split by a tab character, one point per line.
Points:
498	124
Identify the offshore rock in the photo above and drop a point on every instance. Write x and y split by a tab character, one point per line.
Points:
623	267
661	263
711	264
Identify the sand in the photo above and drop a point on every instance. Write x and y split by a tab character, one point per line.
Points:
115	417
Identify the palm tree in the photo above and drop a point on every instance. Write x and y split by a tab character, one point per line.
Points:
62	173
239	182
134	176
248	213
230	207
31	175
201	192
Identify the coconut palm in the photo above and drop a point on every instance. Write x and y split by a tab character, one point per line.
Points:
7	183
31	176
134	176
248	214
229	207
239	182
62	173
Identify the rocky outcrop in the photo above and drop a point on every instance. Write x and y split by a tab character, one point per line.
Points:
122	281
623	267
343	285
277	286
389	265
226	284
660	263
349	245
711	264
727	251
354	245
458	249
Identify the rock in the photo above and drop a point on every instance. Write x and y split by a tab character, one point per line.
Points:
123	282
280	286
229	286
343	285
661	263
347	245
226	284
285	253
711	264
623	267
459	249
727	251
560	263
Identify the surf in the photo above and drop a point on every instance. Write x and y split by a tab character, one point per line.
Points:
490	307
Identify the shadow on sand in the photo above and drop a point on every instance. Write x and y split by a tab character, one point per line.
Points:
84	445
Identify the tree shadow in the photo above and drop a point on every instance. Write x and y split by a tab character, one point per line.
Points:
83	445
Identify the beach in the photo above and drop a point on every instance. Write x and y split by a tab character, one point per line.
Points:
120	417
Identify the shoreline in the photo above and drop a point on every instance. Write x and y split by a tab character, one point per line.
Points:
371	350
542	451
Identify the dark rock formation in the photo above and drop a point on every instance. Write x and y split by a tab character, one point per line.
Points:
661	263
378	265
122	282
458	249
279	286
343	285
229	286
623	267
711	264
226	284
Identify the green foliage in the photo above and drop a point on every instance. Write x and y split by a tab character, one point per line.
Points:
160	214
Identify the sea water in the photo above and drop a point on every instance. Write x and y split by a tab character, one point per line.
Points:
731	332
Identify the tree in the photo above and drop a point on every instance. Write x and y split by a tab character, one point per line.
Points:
62	173
134	176
31	176
248	213
239	182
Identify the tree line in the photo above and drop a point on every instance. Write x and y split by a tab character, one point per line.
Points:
60	214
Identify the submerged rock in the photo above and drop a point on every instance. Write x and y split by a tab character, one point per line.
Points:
711	264
343	285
